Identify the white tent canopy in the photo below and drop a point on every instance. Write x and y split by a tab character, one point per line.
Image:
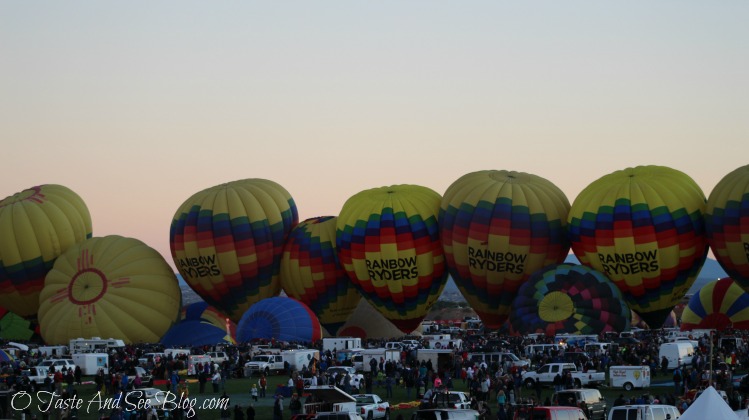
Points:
709	405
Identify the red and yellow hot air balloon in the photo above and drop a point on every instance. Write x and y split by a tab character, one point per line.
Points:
36	226
719	305
727	224
310	273
227	242
497	228
388	243
643	227
109	287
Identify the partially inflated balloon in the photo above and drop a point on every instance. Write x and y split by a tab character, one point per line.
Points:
200	325
310	273
279	318
727	224
643	227
497	228
227	242
568	298
719	305
367	323
388	243
109	287
36	226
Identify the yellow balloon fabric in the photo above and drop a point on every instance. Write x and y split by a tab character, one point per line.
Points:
388	243
498	228
310	273
110	287
643	227
36	226
227	242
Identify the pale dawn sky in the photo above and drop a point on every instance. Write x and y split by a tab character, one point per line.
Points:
137	105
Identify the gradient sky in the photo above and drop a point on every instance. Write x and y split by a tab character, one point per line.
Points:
137	105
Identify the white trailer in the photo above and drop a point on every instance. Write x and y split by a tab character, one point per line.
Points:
629	377
377	354
90	363
340	343
298	359
53	351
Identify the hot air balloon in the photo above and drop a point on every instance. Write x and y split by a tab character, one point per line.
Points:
36	226
388	243
727	224
14	327
227	242
310	273
200	325
279	318
568	298
109	287
719	305
642	227
497	228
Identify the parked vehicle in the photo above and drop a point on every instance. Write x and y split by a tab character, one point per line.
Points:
550	413
218	356
538	349
445	414
500	358
677	354
371	406
448	399
37	376
546	373
629	377
58	364
90	363
596	404
264	363
651	412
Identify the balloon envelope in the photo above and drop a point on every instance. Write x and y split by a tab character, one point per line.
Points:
279	318
497	228
227	242
109	287
200	325
388	243
568	298
719	305
36	226
367	323
643	227
311	273
727	224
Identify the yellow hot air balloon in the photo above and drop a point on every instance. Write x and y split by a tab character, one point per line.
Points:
388	243
36	226
310	273
643	227
109	287
227	242
498	228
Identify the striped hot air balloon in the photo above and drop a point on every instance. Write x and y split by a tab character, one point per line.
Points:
719	305
388	243
36	226
311	273
727	224
227	242
643	227
497	228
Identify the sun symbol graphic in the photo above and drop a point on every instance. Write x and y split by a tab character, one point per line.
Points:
88	286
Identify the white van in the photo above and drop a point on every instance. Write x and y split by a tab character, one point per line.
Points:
629	377
677	354
535	349
643	412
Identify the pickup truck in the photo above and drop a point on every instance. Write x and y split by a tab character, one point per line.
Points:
371	406
547	372
36	376
264	363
